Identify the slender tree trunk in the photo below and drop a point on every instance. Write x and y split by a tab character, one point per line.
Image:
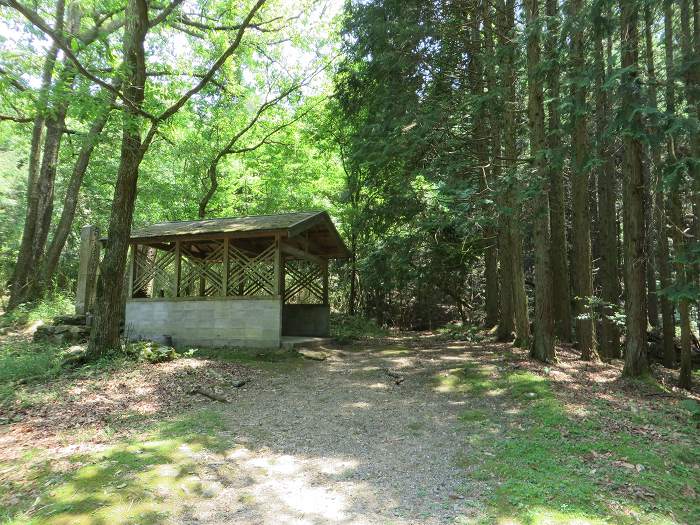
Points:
668	327
70	202
505	285
105	333
513	234
607	222
543	343
55	125
23	268
580	201
691	77
555	168
636	363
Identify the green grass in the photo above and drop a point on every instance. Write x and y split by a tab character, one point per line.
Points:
552	467
133	481
44	310
346	328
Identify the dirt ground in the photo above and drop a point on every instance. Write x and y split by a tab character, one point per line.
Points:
370	435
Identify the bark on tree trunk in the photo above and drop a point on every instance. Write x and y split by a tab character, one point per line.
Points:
543	343
581	253
691	78
70	201
22	270
555	167
507	40
105	334
607	226
668	325
636	363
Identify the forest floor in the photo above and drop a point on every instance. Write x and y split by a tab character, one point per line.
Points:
405	430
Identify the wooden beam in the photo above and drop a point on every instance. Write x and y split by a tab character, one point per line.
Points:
225	268
324	268
178	267
132	270
301	254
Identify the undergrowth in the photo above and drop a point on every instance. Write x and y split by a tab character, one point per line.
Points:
43	310
346	328
551	464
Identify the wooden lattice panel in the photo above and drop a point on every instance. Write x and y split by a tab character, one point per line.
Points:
303	282
251	275
196	269
154	272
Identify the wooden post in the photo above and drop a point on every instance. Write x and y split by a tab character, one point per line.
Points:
224	280
132	270
324	269
279	267
87	269
178	267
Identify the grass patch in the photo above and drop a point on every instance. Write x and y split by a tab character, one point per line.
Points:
347	328
44	310
471	378
133	481
473	415
555	468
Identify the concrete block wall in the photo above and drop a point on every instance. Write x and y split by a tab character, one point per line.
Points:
207	322
305	319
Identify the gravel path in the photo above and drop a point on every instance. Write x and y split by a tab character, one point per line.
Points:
339	442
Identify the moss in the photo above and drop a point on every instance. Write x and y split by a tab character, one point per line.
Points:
134	481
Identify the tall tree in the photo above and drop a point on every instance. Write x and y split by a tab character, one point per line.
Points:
555	168
512	215
581	242
543	342
662	258
606	188
691	77
636	363
23	268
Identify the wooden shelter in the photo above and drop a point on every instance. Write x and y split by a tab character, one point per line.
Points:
242	281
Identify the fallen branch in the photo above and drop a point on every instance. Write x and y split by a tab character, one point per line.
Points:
210	395
398	378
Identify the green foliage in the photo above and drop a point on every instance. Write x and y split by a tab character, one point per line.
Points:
693	407
460	332
21	360
346	328
58	303
151	352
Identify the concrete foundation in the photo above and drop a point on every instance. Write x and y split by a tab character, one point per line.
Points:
305	320
207	321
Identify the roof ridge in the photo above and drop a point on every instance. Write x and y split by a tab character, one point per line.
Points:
237	217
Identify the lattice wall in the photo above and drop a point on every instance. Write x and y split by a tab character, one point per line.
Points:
304	282
251	274
154	272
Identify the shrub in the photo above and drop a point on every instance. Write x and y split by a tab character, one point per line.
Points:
43	310
151	352
346	328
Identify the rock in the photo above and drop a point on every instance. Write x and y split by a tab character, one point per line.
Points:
61	334
313	354
72	320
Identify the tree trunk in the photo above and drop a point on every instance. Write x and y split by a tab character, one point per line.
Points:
636	363
691	77
543	343
607	192
508	41
23	268
555	168
70	201
55	125
668	325
581	252
105	332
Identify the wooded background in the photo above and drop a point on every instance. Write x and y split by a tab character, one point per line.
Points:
532	167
